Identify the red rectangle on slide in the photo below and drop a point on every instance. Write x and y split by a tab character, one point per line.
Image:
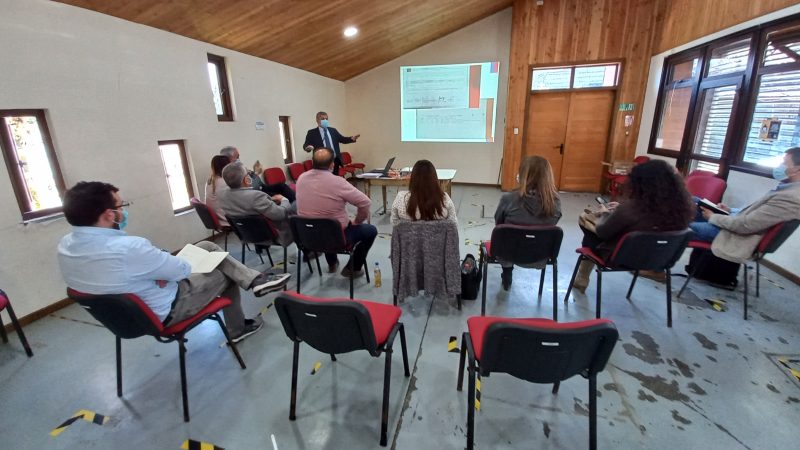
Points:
475	86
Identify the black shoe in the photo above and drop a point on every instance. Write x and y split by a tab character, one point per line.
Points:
506	276
347	273
269	282
251	327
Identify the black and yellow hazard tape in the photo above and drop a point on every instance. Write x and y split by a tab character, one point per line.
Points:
191	444
478	393
785	362
316	367
718	304
452	346
265	309
89	416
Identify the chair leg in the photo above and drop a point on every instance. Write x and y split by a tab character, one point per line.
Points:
541	283
333	357
669	298
285	261
269	256
458	301
350	264
387	377
485	270
745	290
226	239
319	268
593	412
633	282
462	360
403	349
556	385
700	263
262	258
3	334
300	266
184	390
599	291
366	271
471	405
572	280
231	344
119	366
758	279
243	245
293	401
394	300
555	290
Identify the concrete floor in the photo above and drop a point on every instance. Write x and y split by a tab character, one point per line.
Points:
711	381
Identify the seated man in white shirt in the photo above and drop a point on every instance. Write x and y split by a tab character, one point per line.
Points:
97	257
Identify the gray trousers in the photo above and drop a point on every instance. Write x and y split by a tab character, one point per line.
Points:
197	291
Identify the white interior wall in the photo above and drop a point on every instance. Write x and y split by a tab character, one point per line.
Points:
743	188
373	104
111	90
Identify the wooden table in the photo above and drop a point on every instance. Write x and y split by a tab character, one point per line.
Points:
445	179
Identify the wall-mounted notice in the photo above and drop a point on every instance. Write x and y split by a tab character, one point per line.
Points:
449	103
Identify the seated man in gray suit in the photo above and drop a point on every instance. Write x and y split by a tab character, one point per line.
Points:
241	200
734	237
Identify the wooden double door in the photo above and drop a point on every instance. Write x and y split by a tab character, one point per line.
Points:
570	129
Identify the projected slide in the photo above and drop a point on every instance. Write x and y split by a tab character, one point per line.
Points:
452	103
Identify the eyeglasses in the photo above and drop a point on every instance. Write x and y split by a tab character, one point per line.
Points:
123	205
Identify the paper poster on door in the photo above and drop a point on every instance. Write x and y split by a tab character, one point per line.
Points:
770	129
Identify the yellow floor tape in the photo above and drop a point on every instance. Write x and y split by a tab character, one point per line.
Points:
190	444
89	416
452	346
316	367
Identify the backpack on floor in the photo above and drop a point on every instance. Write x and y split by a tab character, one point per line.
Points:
470	278
713	269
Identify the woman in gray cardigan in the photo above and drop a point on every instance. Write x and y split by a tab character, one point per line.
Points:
534	202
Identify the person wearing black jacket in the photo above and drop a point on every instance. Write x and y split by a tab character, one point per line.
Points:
328	137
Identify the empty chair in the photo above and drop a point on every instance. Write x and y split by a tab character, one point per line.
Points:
425	257
349	165
314	235
336	326
275	175
538	351
127	317
523	245
708	187
5	304
295	170
210	219
637	250
769	243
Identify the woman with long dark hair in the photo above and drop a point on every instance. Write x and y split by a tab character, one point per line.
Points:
425	199
656	199
215	184
534	202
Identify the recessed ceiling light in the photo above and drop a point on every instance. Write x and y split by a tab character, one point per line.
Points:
350	31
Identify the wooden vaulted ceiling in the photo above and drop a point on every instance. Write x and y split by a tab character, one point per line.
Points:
307	34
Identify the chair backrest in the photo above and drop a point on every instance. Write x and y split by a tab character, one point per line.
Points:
253	228
328	325
125	315
702	186
318	234
346	158
641	159
274	175
206	214
700	173
526	244
649	250
548	353
308	164
776	236
295	170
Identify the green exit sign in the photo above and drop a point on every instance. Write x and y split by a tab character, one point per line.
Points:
626	106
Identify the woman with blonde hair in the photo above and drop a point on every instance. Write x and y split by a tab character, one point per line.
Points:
215	184
534	202
424	199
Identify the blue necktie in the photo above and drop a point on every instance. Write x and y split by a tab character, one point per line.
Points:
325	140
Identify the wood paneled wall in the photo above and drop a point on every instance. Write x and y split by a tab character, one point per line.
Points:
687	20
580	31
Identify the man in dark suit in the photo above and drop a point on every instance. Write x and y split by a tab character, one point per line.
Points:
328	137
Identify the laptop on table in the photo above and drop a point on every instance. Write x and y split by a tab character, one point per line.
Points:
377	173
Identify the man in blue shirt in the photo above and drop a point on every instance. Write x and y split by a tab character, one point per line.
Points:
99	258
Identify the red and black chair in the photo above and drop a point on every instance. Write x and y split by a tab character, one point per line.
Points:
348	164
308	165
316	235
5	304
128	317
523	245
210	219
276	175
769	243
259	230
536	350
335	326
638	250
295	170
708	187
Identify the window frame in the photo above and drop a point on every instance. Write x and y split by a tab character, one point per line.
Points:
733	153
224	87
16	177
571	66
187	176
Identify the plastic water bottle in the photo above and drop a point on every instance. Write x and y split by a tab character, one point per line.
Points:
377	275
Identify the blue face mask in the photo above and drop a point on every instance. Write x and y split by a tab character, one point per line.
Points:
779	173
324	123
124	222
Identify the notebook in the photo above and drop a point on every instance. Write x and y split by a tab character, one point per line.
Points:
380	172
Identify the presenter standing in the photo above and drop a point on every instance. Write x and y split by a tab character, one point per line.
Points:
329	137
